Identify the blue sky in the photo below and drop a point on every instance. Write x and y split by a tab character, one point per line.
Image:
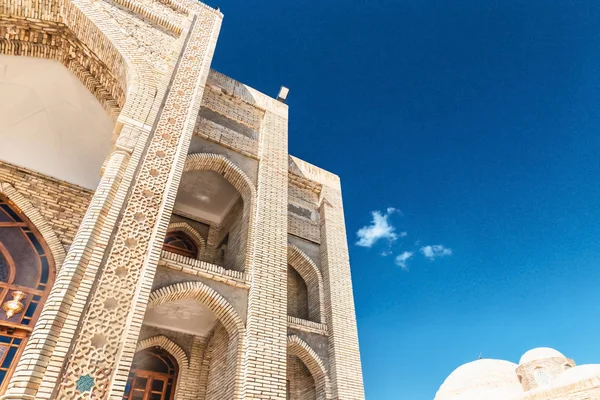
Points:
477	121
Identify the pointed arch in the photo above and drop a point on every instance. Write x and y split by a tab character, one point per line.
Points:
191	232
313	362
168	345
239	180
223	310
311	274
36	218
225	167
175	351
206	296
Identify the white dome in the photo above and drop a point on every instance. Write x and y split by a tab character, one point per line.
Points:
481	379
577	374
539	353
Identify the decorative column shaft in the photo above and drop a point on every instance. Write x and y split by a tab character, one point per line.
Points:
265	353
100	357
344	358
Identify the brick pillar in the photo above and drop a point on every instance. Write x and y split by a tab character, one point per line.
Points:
100	355
344	358
188	385
265	351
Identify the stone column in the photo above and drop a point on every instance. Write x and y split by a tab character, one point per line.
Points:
265	351
344	358
105	337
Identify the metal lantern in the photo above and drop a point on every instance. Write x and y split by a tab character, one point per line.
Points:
14	306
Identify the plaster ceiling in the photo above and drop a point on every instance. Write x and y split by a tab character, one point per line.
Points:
205	194
187	315
50	122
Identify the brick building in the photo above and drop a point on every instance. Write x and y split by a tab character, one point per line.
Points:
157	240
542	374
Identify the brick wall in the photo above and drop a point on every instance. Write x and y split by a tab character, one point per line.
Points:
236	228
107	46
303	212
301	385
297	292
235	109
62	204
217	387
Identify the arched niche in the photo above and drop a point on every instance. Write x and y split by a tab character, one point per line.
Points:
305	287
217	194
299	351
193	308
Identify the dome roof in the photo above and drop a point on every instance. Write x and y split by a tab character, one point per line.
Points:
489	379
577	374
539	353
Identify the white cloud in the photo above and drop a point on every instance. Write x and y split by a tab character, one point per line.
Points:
380	228
435	251
403	258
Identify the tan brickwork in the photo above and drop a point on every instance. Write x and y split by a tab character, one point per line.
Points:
297	347
227	105
147	62
228	318
301	384
344	356
265	359
551	366
313	280
176	351
304	228
192	233
297	304
102	348
61	204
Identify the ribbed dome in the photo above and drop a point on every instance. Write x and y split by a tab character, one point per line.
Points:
481	379
577	374
539	353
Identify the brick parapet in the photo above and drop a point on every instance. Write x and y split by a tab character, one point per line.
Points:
204	269
307	326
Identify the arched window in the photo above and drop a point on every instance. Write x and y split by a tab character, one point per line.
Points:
152	377
26	276
180	243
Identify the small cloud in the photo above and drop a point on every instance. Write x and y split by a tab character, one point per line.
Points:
435	251
380	228
403	258
403	234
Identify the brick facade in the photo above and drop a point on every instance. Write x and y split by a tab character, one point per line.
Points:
276	301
